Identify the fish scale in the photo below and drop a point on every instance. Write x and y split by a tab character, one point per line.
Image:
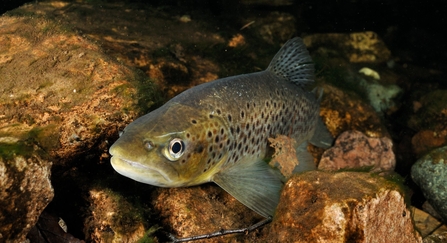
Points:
218	132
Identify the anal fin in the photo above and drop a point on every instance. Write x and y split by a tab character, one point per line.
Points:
305	159
254	183
322	137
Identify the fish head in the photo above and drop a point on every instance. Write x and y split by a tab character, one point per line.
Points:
168	147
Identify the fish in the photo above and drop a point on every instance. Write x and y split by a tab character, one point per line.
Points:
218	132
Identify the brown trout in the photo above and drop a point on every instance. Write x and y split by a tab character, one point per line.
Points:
218	132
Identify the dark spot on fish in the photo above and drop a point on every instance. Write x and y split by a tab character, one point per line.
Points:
220	156
228	142
199	148
209	161
188	135
247	126
239	146
242	114
231	130
222	131
210	134
216	139
214	131
193	121
210	149
220	145
204	170
229	117
246	148
183	161
248	105
211	116
238	129
218	111
267	103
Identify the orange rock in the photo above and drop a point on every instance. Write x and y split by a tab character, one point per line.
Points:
426	140
320	206
353	149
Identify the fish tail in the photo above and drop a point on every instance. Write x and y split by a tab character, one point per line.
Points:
293	63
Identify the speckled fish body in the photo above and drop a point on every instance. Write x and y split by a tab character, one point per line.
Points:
218	132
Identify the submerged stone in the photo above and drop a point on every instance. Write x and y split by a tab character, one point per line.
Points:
342	207
430	173
354	150
25	190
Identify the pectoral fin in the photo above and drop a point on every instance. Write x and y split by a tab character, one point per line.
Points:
253	183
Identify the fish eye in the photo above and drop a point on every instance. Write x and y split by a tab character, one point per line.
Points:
176	148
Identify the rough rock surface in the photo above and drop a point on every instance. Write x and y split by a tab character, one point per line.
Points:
113	218
341	207
430	173
354	47
59	95
25	191
201	210
429	118
354	150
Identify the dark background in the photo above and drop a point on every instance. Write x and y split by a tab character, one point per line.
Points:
413	30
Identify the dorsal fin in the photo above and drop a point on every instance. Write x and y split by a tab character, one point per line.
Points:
293	63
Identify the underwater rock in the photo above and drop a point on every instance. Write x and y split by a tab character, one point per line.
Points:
430	174
113	218
51	229
342	111
355	47
203	209
61	99
426	224
320	206
426	140
25	189
354	150
429	118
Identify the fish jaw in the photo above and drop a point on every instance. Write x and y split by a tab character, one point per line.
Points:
142	173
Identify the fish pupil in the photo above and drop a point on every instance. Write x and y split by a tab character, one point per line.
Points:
176	147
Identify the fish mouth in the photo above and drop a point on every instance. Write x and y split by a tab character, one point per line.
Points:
139	172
